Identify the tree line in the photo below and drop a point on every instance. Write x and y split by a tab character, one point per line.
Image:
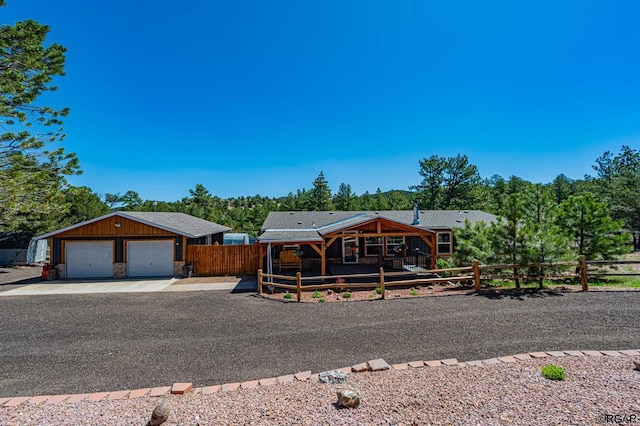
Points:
35	196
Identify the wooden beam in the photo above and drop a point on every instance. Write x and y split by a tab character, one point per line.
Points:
313	246
323	260
332	240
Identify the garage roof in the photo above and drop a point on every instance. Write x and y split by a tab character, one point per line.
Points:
179	223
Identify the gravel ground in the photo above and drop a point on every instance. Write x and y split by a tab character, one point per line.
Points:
485	395
16	276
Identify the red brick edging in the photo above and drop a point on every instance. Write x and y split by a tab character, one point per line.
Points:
370	366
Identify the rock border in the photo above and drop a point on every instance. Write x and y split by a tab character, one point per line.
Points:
371	366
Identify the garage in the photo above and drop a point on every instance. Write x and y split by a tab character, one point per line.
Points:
128	244
150	258
92	259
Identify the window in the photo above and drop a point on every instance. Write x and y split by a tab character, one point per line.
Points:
373	246
394	245
444	243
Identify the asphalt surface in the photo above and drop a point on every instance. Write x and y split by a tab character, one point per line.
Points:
106	342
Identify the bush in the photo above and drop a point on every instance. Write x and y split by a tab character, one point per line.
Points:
317	295
378	290
443	264
288	296
552	372
346	295
413	292
321	300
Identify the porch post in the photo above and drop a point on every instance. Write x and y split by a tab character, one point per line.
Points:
323	265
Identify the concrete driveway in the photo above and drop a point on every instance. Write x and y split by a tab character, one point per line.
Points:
123	286
89	287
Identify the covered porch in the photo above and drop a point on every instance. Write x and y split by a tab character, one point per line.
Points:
350	249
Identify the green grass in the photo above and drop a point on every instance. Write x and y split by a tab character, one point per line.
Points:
620	282
623	282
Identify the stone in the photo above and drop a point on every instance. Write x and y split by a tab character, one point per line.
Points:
348	398
637	364
334	377
159	415
378	365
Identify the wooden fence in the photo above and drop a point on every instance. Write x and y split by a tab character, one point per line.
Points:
223	260
470	274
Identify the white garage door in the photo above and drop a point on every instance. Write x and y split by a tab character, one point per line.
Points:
150	258
89	259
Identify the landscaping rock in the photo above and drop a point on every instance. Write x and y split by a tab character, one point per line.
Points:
159	415
348	398
334	377
637	364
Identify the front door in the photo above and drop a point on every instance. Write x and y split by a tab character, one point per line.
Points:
350	249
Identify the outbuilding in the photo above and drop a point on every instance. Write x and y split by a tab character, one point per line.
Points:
129	244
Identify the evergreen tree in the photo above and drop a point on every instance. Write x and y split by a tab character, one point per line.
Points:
593	232
345	199
473	242
31	174
543	240
618	183
319	197
507	235
82	204
448	183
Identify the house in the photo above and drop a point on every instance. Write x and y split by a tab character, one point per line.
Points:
129	244
394	239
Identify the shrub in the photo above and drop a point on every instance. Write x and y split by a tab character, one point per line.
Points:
346	295
413	292
288	296
378	290
321	300
443	264
317	294
552	372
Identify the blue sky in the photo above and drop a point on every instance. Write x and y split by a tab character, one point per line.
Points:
257	97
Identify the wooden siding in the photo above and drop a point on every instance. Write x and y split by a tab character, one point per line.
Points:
223	260
107	227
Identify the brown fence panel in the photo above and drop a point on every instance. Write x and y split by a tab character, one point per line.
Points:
209	261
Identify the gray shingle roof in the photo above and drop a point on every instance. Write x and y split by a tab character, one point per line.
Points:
288	225
179	223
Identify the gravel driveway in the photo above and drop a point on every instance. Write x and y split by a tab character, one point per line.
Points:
90	343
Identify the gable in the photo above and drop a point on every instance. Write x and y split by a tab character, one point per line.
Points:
114	225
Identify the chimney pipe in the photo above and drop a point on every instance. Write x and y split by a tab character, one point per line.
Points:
416	215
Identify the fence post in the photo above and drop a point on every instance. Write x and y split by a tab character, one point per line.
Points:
259	281
382	281
583	273
476	275
299	285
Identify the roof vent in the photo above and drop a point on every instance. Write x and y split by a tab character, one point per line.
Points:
416	215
